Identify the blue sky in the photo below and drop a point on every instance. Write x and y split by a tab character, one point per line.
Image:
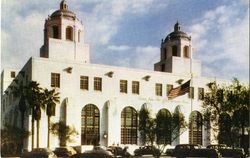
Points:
128	32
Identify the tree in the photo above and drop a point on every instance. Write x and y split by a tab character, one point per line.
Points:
10	138
164	127
212	104
34	98
178	124
232	100
146	126
51	98
20	91
225	134
64	132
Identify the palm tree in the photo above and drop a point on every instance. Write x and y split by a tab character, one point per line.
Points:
34	97
51	98
63	131
20	91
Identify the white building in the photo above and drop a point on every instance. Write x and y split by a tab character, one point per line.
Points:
105	100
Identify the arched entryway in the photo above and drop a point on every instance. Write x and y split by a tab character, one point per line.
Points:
129	126
195	128
90	125
163	124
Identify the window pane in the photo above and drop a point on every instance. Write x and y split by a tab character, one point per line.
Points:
12	74
84	82
69	34
128	126
98	84
123	86
55	80
169	88
158	89
174	50
90	125
195	128
191	93
55	32
201	93
135	87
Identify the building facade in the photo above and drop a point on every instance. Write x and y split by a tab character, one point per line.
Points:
102	102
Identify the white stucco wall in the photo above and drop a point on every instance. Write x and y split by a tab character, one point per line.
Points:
109	101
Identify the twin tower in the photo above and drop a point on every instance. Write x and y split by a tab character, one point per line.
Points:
63	40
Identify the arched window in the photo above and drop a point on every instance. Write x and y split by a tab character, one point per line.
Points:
79	35
174	50
163	124
195	128
224	129
90	125
55	32
69	33
186	52
129	126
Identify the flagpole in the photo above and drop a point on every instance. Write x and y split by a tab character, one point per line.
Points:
191	95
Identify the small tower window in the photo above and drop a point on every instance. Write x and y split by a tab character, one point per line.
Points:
69	33
12	74
55	32
186	52
174	50
79	35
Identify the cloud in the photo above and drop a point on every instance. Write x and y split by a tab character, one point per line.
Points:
22	39
146	56
22	31
104	20
119	48
143	57
221	41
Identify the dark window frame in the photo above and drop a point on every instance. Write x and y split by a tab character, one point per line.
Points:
69	33
174	51
123	86
201	93
169	88
12	74
129	126
158	89
195	128
97	83
90	125
191	93
55	32
55	80
135	87
84	82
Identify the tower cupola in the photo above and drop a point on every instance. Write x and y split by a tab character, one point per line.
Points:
176	52
63	11
63	36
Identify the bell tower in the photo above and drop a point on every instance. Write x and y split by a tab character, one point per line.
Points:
63	36
176	54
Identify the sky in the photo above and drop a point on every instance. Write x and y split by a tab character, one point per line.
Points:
128	33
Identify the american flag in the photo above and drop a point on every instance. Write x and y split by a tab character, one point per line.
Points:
178	91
